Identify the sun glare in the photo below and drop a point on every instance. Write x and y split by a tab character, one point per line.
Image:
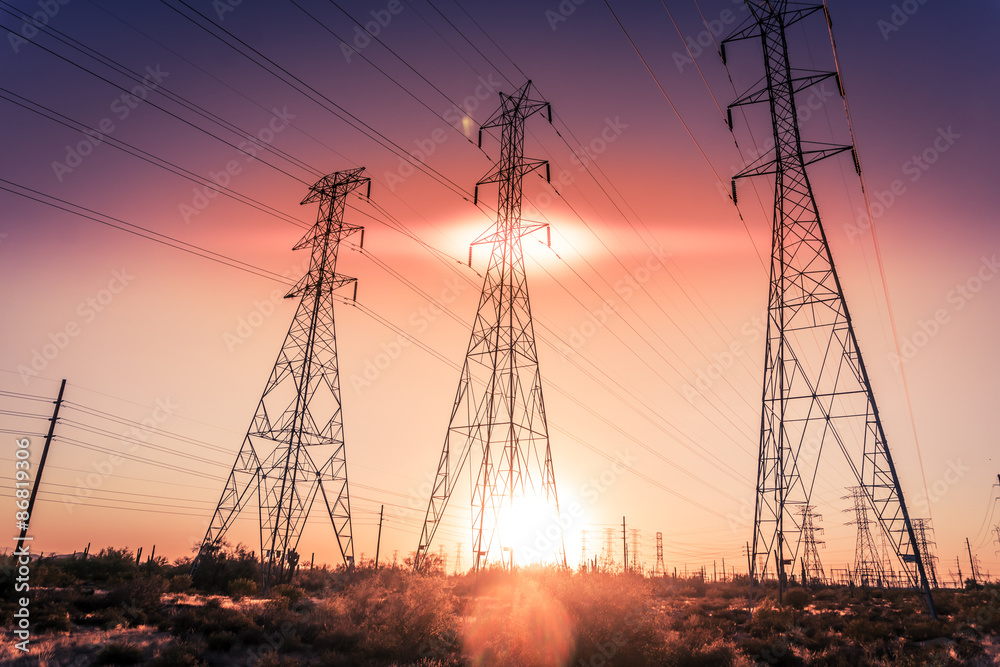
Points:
529	528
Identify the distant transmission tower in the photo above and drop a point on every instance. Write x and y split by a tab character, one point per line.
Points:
609	550
659	570
868	567
812	567
816	388
298	427
922	527
634	532
499	414
583	548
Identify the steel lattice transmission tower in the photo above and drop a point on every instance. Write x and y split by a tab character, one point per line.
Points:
294	448
812	567
922	527
608	557
816	390
659	569
634	553
868	567
499	414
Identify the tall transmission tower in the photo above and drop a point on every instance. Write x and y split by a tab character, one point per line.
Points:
812	567
583	548
922	527
868	567
294	447
659	570
499	414
816	389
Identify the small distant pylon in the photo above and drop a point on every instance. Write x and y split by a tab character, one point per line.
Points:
659	570
636	559
583	549
609	550
868	567
458	558
294	447
922	527
812	567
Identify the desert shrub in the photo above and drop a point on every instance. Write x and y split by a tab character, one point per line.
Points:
396	612
119	653
220	565
206	620
682	651
142	593
768	621
109	566
179	654
313	580
864	630
797	598
292	593
179	583
222	640
241	588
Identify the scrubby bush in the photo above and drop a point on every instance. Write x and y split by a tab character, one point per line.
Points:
221	564
241	588
119	653
797	598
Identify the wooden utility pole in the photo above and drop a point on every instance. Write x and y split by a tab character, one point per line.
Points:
972	563
378	543
41	462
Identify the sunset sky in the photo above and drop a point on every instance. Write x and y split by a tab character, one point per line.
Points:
649	306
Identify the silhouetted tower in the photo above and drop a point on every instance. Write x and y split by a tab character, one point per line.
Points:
816	388
922	527
499	414
812	567
583	549
294	448
636	557
609	549
458	558
868	568
659	569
